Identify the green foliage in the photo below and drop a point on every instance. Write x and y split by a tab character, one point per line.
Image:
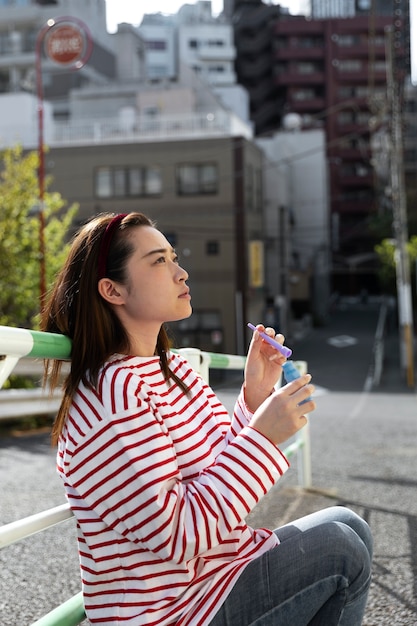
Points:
386	253
19	237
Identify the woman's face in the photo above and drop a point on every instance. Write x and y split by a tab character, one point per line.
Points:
155	290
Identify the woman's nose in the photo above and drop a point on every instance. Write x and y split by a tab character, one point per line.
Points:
182	274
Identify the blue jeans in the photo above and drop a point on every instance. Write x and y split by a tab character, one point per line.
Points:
319	575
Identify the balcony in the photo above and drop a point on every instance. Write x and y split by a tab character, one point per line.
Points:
362	77
361	50
355	181
147	129
21	60
216	53
353	154
292	53
282	79
298	26
361	206
305	106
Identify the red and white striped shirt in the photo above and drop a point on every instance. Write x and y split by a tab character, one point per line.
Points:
160	483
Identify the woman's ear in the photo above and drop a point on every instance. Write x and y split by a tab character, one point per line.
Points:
109	291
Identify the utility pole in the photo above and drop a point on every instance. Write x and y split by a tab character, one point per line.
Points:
399	206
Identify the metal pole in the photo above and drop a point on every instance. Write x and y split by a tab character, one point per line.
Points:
41	159
399	200
78	61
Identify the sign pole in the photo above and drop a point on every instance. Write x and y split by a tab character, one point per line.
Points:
68	43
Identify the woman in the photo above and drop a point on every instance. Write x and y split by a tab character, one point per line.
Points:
160	478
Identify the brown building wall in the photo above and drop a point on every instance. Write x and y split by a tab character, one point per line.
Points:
202	227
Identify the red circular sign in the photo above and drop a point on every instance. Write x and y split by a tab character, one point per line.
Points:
65	44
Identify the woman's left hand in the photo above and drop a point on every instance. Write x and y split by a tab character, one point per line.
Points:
263	367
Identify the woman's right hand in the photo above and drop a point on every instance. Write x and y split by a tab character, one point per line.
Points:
280	416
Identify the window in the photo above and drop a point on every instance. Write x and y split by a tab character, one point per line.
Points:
156	45
215	43
216	69
345	117
347	41
305	67
212	248
123	182
120	186
157	71
103	187
194	179
380	66
300	95
309	42
134	181
152	181
363	117
352	65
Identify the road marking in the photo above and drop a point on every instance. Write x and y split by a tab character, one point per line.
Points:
342	341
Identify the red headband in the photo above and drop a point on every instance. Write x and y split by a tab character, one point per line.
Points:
105	243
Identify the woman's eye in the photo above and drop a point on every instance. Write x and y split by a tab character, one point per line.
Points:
176	259
161	259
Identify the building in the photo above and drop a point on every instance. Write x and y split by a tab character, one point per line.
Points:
167	145
205	195
120	142
331	81
160	36
20	25
206	44
410	152
197	173
253	24
333	73
297	208
195	38
351	8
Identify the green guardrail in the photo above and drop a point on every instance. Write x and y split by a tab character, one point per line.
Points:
69	613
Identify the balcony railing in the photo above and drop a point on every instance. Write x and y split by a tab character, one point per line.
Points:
145	128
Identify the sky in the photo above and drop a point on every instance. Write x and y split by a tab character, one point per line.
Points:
132	11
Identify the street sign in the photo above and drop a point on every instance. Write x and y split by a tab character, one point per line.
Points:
66	43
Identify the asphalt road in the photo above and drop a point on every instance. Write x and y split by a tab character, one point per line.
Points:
364	455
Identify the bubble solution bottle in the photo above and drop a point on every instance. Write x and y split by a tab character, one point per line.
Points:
291	373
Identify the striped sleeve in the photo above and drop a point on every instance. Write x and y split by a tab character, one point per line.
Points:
241	416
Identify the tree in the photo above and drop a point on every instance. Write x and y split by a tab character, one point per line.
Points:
386	253
20	240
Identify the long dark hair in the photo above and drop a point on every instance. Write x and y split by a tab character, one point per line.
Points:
76	309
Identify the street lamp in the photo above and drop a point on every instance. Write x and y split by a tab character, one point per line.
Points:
67	42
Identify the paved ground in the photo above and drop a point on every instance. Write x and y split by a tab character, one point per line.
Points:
364	455
364	449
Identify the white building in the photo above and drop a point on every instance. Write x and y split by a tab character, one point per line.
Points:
205	43
160	34
297	217
20	26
